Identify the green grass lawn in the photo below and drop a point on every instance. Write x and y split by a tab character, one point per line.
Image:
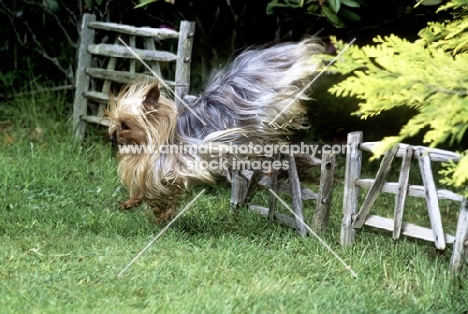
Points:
63	241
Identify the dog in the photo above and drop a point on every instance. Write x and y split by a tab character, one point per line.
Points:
260	86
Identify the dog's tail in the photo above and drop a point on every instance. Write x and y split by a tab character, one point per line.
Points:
261	90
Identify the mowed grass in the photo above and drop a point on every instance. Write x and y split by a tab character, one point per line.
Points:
63	241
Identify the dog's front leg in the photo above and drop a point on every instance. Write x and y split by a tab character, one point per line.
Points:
133	201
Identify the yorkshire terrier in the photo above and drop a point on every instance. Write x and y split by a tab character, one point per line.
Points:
236	107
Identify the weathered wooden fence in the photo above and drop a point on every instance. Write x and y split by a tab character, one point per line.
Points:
244	183
103	60
354	217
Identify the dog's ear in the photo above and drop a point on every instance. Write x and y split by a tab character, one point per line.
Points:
152	97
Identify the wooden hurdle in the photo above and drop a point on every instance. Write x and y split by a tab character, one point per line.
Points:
244	184
354	217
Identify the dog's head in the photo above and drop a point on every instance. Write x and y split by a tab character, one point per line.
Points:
141	115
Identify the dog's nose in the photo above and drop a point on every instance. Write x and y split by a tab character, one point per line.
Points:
113	138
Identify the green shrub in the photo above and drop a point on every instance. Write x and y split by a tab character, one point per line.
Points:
428	75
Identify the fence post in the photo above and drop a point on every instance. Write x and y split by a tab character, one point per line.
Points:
351	191
460	247
182	75
80	103
322	209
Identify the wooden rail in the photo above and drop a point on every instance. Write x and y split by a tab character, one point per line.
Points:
157	33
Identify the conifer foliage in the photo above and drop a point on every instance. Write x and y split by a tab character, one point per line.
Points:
429	75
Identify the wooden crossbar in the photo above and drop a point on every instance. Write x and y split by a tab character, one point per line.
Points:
157	33
413	190
407	229
435	154
120	51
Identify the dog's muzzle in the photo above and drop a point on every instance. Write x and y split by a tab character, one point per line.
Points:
113	138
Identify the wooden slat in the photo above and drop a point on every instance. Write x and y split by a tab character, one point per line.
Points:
97	120
407	229
159	33
435	154
322	209
132	44
413	190
375	189
122	77
459	259
97	97
119	51
110	67
281	218
431	198
351	191
296	195
402	191
107	83
149	44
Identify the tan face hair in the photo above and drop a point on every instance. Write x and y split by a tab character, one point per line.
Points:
127	131
140	116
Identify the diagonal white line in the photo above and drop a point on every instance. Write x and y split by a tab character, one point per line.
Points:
311	82
314	234
160	233
161	80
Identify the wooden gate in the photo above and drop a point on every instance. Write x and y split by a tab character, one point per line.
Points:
355	217
244	184
105	64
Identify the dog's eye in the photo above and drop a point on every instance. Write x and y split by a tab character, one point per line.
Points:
125	126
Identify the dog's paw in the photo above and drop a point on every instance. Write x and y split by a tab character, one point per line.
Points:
132	202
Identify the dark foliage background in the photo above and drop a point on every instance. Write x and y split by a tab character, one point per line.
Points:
40	40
